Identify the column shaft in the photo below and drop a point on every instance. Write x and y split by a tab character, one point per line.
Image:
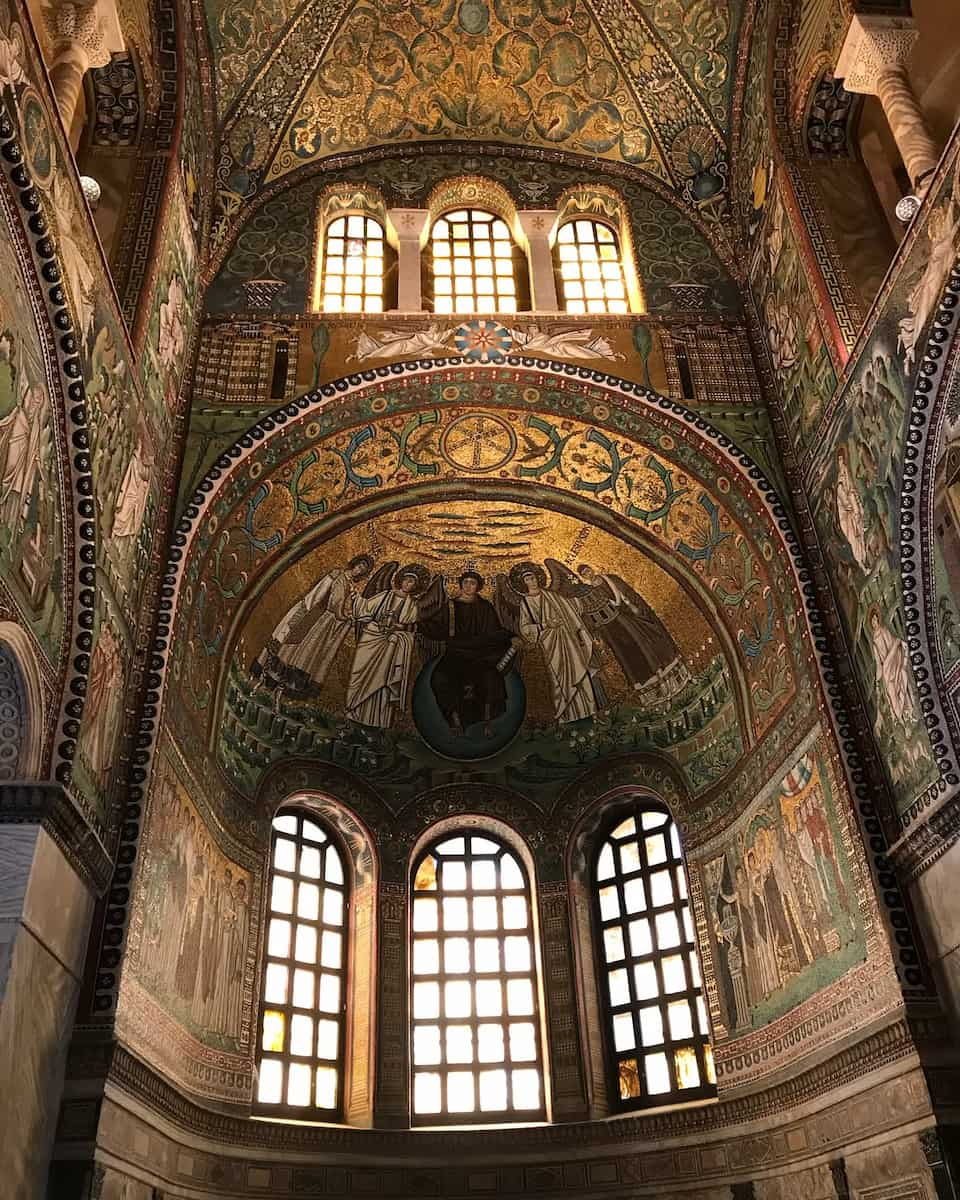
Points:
917	148
66	76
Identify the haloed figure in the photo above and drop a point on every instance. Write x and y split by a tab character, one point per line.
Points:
635	635
467	682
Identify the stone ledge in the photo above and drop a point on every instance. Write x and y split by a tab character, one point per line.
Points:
47	804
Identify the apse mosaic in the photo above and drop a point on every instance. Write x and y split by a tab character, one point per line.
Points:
546	73
573	530
451	632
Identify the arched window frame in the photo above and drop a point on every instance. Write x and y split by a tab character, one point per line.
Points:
583	844
340	203
485	827
603	206
574	225
30	750
359	1026
477	194
687	951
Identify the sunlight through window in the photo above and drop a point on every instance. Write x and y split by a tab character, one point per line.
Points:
302	1016
476	1020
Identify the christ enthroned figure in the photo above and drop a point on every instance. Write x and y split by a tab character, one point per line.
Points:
467	683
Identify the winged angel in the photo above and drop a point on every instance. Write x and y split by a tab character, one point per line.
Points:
549	616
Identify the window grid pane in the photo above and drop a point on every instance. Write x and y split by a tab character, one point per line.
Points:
658	1036
475	1041
472	264
302	1019
589	269
353	266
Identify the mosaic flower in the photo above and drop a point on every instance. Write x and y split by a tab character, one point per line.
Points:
483	341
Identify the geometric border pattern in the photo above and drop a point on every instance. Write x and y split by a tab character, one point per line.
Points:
921	849
83	578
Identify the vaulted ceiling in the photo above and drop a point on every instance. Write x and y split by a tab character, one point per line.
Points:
642	82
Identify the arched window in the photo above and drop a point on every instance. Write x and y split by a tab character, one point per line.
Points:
655	1016
474	998
589	268
353	266
473	264
302	1014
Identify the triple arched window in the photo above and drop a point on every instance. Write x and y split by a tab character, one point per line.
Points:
477	1048
472	262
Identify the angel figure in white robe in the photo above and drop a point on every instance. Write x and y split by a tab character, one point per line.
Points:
171	336
403	343
306	642
577	345
386	615
543	617
21	433
132	498
943	231
850	515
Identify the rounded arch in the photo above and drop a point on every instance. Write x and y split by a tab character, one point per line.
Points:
742	514
922	519
22	749
358	851
63	368
583	843
232	224
509	837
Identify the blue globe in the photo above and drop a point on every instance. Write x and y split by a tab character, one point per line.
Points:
473	743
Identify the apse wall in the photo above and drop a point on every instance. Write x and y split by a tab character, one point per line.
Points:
301	493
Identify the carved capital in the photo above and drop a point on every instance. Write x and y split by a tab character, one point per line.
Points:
93	29
874	46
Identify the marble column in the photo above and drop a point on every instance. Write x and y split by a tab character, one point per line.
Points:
45	914
873	61
410	226
537	225
917	148
83	36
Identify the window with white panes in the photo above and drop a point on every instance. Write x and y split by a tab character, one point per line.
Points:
656	1019
300	1069
475	1030
589	268
353	270
472	264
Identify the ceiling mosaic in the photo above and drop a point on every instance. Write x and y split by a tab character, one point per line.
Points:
629	596
646	83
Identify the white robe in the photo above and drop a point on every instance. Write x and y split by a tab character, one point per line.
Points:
894	674
132	500
553	623
850	515
313	649
380	675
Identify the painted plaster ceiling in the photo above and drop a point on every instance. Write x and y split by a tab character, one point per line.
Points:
642	82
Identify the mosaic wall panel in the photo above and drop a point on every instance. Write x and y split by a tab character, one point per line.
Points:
856	478
32	534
